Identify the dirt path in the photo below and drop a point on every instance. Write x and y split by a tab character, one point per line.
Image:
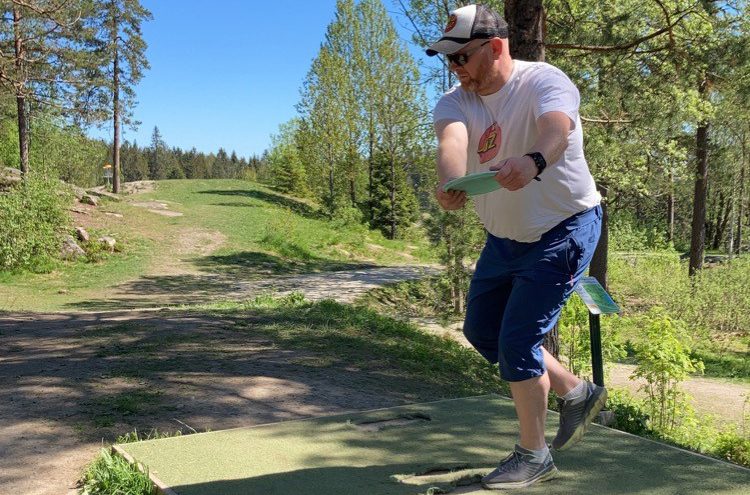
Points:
722	399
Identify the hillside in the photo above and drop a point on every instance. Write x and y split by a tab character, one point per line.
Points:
190	241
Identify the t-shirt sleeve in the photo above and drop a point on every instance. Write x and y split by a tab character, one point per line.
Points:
448	108
556	93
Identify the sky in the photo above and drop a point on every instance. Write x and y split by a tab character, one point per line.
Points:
226	74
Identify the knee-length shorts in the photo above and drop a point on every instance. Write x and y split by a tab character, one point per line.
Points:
519	289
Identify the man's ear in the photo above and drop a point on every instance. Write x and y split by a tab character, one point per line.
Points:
498	46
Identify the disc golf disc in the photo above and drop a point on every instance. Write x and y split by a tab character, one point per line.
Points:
474	184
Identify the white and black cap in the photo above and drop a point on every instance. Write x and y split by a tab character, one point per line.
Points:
468	23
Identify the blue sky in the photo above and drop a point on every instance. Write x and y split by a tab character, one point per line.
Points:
226	75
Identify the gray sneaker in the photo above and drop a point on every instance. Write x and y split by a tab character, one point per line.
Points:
576	418
517	471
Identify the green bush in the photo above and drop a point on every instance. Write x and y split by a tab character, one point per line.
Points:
32	216
625	234
733	447
575	340
630	414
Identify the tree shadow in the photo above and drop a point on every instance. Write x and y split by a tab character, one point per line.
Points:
297	206
235	276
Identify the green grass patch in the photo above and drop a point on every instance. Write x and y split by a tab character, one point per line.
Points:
110	474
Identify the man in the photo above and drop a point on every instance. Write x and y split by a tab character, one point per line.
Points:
520	119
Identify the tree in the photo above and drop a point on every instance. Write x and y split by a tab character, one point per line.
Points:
121	50
43	59
157	157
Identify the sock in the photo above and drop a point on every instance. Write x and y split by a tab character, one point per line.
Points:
576	394
536	456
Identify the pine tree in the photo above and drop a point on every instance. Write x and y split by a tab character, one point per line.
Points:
122	60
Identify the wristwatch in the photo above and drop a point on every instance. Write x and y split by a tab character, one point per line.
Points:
539	161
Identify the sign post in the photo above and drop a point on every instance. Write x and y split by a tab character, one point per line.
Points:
599	302
108	173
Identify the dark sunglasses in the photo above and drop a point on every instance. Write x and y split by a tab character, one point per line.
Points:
461	59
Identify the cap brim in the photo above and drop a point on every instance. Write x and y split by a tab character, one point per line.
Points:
447	45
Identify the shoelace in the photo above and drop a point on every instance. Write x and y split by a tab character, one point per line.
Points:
511	460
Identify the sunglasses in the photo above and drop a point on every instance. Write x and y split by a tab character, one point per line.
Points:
462	59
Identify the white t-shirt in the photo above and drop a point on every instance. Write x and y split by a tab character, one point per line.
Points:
503	125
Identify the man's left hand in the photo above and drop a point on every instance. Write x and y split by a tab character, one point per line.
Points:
514	173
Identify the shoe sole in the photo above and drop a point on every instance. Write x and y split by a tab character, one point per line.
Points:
583	427
545	476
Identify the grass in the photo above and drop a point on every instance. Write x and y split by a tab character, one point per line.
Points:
262	233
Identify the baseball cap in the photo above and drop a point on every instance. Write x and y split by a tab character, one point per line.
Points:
469	23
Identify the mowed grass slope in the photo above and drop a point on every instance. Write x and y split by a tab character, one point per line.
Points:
230	230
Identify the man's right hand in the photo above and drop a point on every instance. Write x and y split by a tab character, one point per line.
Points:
450	200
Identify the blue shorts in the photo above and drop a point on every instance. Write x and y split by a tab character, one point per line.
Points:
519	289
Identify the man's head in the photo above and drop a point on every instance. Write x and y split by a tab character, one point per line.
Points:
473	22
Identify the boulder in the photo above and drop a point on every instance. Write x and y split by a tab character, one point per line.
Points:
82	235
9	177
70	250
90	200
108	243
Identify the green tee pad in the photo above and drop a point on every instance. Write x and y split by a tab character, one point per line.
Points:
474	184
595	297
437	447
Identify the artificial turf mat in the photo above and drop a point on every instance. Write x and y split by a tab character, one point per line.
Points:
462	439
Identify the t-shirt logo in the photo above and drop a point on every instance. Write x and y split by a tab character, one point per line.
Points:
489	143
452	20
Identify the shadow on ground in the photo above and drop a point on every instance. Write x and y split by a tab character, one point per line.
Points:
296	206
233	276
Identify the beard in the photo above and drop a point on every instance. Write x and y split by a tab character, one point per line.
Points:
482	79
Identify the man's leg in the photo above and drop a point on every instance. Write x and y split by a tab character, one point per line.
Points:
561	380
530	399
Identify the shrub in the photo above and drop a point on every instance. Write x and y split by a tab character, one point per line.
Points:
663	356
630	414
32	216
733	447
575	340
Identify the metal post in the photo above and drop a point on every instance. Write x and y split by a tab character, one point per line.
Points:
597	363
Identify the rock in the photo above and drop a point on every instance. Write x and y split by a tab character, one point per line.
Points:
112	214
90	200
100	192
108	242
9	177
79	211
70	250
83	236
137	187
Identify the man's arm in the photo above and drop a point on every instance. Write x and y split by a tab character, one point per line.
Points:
553	128
453	139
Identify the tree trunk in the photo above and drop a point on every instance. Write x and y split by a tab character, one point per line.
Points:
393	197
742	199
722	221
370	168
116	114
23	130
697	238
526	25
670	208
599	262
